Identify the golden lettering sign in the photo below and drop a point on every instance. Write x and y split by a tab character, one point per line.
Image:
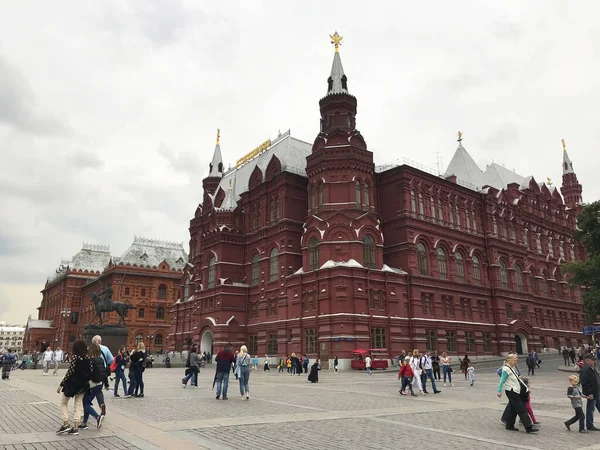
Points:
257	151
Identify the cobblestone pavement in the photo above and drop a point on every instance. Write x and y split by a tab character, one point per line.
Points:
343	411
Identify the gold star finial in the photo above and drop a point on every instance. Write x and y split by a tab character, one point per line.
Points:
459	136
549	181
218	136
336	39
564	145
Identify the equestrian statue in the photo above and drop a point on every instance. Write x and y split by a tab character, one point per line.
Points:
104	304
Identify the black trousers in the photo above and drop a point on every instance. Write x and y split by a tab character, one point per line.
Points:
517	408
579	415
436	372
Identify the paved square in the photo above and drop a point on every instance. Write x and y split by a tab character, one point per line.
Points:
343	411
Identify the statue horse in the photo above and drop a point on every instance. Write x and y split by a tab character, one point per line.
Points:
102	307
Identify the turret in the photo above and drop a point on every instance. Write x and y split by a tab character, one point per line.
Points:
215	170
571	189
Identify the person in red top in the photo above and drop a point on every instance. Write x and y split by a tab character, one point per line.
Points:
225	358
407	374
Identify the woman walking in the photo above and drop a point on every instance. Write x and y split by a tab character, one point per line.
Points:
517	393
242	368
195	363
96	382
446	368
74	385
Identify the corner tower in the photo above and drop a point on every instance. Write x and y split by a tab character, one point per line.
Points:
342	222
215	171
571	189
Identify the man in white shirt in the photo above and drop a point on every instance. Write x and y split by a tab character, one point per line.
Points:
58	357
427	364
368	364
48	355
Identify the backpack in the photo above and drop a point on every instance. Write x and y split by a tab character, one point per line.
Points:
98	371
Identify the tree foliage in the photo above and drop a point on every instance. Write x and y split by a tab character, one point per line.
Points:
587	273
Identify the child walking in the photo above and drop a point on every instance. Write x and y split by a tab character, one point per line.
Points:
528	402
406	374
471	373
574	393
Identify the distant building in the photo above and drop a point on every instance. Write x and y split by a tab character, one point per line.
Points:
312	249
11	337
146	276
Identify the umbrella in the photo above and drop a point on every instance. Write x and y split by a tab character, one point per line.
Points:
215	380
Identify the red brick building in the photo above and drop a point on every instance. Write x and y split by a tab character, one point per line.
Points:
146	276
312	249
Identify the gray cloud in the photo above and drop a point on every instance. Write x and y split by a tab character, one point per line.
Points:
185	162
85	160
18	105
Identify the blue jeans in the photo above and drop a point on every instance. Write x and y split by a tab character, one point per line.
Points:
120	376
132	383
369	370
244	378
589	410
194	377
446	370
88	409
428	373
222	382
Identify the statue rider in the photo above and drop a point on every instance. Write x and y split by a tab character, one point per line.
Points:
106	295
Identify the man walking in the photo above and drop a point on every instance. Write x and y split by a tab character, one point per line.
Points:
368	364
428	373
58	357
590	387
48	355
108	358
225	358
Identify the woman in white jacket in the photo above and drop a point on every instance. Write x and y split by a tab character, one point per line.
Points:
415	363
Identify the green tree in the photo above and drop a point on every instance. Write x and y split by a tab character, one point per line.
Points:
587	273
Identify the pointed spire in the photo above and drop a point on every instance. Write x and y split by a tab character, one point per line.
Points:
337	81
229	202
216	166
464	167
567	164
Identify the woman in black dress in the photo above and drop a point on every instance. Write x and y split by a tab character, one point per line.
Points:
313	376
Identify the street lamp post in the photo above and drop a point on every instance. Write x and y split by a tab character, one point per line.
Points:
65	313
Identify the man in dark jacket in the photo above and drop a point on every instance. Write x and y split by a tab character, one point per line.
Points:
224	359
590	385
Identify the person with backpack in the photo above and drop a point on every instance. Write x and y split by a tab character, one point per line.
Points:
96	381
74	385
118	368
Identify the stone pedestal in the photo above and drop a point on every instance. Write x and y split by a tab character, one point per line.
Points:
113	336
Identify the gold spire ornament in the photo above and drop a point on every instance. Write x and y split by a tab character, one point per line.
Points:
336	39
218	135
459	136
564	145
549	180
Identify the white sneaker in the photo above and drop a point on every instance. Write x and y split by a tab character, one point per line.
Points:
444	384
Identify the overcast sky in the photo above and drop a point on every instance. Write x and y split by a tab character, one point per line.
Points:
109	110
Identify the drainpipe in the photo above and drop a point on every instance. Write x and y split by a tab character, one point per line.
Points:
409	309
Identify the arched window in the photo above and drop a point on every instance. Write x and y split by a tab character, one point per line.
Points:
369	252
460	267
474	223
441	258
139	338
141	313
413	201
451	213
367	198
440	211
313	253
519	277
539	243
358	192
162	291
422	259
421	205
186	290
158	340
321	194
495	225
526	237
543	285
160	312
503	274
468	219
476	270
126	291
274	265
550	248
532	281
255	270
211	272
